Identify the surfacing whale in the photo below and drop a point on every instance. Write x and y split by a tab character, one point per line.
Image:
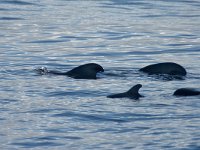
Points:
169	68
186	92
132	93
86	71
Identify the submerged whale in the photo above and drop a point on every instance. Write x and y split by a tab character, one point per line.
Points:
132	93
186	92
86	71
169	68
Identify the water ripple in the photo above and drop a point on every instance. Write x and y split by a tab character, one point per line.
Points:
36	144
10	18
87	117
16	2
51	112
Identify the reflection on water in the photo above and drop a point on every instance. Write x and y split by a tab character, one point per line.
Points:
58	112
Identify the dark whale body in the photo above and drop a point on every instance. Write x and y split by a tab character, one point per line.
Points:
86	71
169	68
132	93
186	92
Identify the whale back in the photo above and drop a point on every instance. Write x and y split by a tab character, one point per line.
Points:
86	71
186	92
165	68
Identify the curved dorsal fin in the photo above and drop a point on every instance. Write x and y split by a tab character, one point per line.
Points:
132	93
134	90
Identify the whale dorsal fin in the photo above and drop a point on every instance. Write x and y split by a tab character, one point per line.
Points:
132	93
134	90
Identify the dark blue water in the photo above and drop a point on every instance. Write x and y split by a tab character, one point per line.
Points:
58	112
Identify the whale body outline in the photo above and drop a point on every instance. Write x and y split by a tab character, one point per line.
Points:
85	71
186	92
132	93
169	68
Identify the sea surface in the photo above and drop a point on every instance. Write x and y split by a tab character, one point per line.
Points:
61	113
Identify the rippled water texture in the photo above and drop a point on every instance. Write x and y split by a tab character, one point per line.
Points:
58	112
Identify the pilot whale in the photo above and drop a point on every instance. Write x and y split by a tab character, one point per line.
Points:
131	93
169	68
86	71
186	92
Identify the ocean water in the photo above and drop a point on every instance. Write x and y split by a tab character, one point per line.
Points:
57	112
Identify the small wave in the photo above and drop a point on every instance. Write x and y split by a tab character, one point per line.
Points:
79	93
17	2
2	119
89	117
74	38
10	18
52	138
3	9
7	101
36	144
46	41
